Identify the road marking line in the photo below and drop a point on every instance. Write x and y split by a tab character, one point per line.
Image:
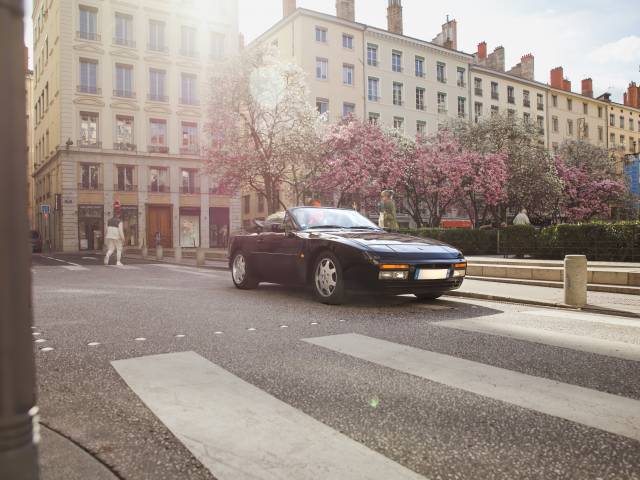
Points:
611	413
63	261
586	317
75	268
626	351
240	432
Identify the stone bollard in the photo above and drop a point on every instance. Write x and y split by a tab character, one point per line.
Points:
177	254
159	252
145	252
575	280
200	257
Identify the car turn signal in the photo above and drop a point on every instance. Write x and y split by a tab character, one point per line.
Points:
394	267
460	265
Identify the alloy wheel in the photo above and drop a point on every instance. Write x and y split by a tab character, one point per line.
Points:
326	277
239	269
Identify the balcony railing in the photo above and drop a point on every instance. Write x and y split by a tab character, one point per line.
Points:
462	83
442	110
125	188
495	96
419	74
398	103
396	69
462	114
92	36
442	79
126	147
157	48
372	62
541	106
190	150
419	106
157	149
478	92
511	100
188	53
124	93
156	97
189	101
92	89
159	189
92	187
526	103
124	42
374	98
84	143
189	190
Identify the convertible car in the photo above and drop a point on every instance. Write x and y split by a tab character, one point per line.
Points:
335	251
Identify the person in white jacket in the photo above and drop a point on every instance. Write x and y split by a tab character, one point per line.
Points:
114	238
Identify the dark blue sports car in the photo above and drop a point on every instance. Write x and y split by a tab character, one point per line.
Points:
335	251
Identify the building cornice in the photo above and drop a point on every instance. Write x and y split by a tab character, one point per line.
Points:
416	42
508	76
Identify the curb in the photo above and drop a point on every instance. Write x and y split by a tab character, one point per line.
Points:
152	259
539	303
591	287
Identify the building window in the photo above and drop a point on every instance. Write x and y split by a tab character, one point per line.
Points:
372	55
421	127
622	141
420	98
373	89
124	81
631	127
189	89
125	179
347	74
570	127
540	101
494	91
585	108
89	177
158	180
157	136
397	94
526	118
612	139
621	121
189	145
477	86
462	107
612	120
246	204
511	113
398	123
420	67
124	133
511	96
555	125
569	104
88	76
396	61
442	102
188	36
157	85
441	72
322	105
124	30
348	109
88	130
477	111
599	112
157	36
462	82
600	134
554	100
347	41
495	110
321	34
526	101
374	118
88	24
217	45
540	124
188	182
322	68
585	130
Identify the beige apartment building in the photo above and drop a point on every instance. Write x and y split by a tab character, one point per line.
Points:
118	108
28	86
624	121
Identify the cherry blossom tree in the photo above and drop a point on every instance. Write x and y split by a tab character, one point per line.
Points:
263	130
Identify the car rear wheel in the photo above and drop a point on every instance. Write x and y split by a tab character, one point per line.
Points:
328	283
428	297
241	273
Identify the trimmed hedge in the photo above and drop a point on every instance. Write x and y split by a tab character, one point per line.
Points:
598	241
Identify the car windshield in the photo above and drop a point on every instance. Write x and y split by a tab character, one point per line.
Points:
318	218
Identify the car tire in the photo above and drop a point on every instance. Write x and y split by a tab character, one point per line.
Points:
241	272
327	280
429	297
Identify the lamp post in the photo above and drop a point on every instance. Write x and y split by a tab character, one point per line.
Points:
18	413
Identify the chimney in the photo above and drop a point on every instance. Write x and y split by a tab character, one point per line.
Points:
288	7
557	78
587	87
394	16
346	9
482	51
566	85
528	67
632	96
498	59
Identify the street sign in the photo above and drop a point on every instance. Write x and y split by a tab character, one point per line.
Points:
45	209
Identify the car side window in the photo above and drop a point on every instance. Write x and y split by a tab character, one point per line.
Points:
289	226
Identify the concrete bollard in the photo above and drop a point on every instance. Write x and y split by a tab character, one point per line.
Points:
159	252
145	252
200	257
177	254
575	280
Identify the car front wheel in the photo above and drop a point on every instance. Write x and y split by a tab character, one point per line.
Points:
328	283
241	272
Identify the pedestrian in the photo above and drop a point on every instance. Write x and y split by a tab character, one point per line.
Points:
158	239
522	218
115	237
387	208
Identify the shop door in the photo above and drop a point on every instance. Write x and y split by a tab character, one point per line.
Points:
219	227
159	220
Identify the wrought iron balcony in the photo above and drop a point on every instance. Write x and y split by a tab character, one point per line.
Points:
157	149
125	188
157	48
127	147
159	189
190	150
124	93
186	190
84	143
91	36
495	96
90	186
124	42
189	101
478	92
91	89
157	97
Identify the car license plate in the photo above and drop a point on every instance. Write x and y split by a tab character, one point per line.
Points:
432	274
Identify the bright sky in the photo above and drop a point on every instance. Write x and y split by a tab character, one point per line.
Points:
590	38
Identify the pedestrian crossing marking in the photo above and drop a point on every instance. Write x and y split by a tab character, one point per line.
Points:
611	413
240	432
75	268
497	326
586	317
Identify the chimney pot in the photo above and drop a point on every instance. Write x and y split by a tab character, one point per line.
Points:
587	87
482	50
346	10
394	17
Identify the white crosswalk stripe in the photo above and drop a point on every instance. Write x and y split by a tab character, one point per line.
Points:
75	268
611	413
240	432
586	317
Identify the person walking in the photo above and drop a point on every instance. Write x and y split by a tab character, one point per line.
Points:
522	218
115	237
387	208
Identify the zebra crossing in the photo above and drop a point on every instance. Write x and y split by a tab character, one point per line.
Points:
239	431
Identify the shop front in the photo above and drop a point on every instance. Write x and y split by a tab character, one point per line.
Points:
219	227
90	227
189	227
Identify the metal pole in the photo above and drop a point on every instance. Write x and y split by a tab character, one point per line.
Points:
18	411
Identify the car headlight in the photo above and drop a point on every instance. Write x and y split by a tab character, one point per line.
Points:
393	275
460	269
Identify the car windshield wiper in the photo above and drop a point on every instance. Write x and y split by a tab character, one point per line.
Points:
324	226
364	227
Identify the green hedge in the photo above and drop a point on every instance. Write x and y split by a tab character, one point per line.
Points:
598	241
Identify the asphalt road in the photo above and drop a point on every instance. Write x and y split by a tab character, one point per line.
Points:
485	391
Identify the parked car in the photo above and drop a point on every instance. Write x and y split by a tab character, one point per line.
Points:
36	241
337	250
